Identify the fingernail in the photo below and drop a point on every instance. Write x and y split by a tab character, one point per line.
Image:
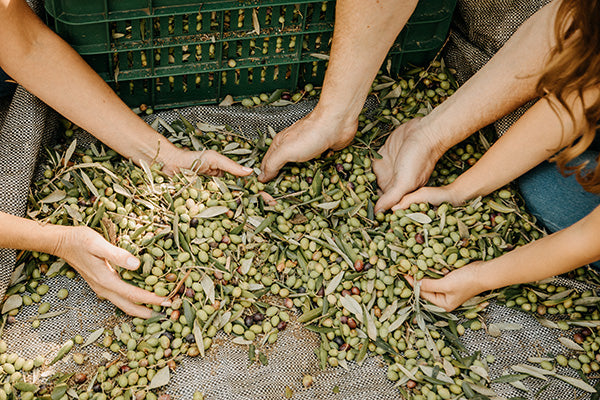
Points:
158	314
166	303
133	262
247	169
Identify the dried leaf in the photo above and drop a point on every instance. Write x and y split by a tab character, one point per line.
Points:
209	288
121	190
93	337
388	311
245	265
519	385
255	22
350	304
371	328
162	377
54	197
419	218
17	275
197	331
578	383
240	340
569	344
462	229
532	371
482	372
211	212
334	283
12	302
227	101
427	370
483	390
403	315
55	268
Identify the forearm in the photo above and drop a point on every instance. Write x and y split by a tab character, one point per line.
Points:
507	81
49	68
25	234
552	255
364	33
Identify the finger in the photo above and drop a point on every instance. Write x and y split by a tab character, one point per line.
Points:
137	295
419	196
434	285
113	254
130	308
226	164
439	299
272	162
390	197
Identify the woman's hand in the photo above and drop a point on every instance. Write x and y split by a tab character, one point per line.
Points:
207	162
94	258
454	289
432	195
409	156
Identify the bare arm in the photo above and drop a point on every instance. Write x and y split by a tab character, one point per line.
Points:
49	68
505	82
552	255
87	252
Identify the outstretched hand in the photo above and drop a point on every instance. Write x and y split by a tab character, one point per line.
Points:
94	258
408	158
452	290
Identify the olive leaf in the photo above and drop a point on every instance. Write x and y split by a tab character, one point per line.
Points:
482	390
211	212
121	190
578	383
70	152
162	377
209	288
245	265
371	328
240	340
93	337
88	182
519	385
334	283
54	197
350	304
482	372
403	315
507	378
329	205
197	331
532	371
63	351
427	370
55	268
388	311
419	218
17	275
547	323
12	302
568	343
448	367
463	231
407	373
561	295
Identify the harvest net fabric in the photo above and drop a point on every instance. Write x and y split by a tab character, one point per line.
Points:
26	123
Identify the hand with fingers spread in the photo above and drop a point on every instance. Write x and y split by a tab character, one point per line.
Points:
94	258
305	140
453	289
408	158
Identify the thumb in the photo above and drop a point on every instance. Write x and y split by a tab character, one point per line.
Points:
118	256
271	164
433	285
390	198
226	164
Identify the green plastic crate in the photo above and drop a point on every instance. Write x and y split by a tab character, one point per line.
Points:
173	53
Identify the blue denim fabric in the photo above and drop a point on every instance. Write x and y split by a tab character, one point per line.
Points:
6	88
557	201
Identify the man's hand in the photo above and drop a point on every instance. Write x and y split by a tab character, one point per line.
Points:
207	162
94	258
305	140
409	156
454	289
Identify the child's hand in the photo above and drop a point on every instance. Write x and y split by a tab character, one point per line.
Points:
454	289
432	195
207	162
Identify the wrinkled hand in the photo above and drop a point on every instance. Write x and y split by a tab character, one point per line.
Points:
306	139
207	162
94	258
454	289
409	156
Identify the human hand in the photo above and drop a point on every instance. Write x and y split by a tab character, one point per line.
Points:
207	162
432	195
454	289
304	140
94	258
408	158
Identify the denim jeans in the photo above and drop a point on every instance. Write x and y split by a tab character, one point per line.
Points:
6	88
557	201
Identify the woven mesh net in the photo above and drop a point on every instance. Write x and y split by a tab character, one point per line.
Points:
26	123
